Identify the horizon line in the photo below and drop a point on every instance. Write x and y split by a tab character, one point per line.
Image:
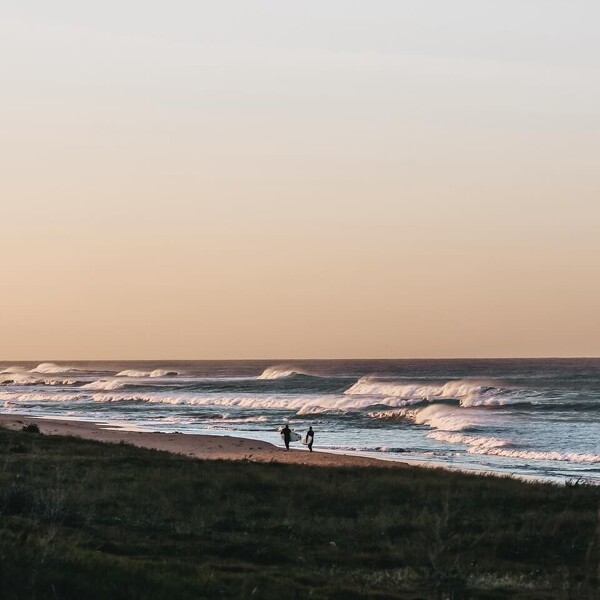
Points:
549	357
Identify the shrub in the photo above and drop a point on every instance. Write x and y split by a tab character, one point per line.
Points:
31	428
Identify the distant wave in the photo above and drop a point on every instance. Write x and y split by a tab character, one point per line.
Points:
29	397
302	405
14	369
499	447
18	379
155	373
469	393
279	371
104	384
51	368
243	401
25	378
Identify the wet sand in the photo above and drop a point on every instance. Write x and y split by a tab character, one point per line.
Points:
207	447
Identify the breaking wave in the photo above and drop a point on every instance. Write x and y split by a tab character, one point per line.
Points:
22	379
279	371
155	373
18	379
28	397
51	368
241	401
468	392
104	384
438	416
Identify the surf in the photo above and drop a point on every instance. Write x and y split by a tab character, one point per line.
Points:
281	371
468	392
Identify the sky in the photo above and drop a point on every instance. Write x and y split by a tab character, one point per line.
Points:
286	179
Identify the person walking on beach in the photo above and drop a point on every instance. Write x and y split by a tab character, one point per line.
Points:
310	437
287	434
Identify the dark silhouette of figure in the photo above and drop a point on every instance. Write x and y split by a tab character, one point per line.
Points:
287	434
310	437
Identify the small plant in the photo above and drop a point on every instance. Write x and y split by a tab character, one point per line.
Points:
31	428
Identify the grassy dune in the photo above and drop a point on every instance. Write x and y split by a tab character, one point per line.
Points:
83	520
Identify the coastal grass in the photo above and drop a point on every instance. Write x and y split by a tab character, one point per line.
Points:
82	519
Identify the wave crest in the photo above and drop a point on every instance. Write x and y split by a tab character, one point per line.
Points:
280	371
20	378
53	369
16	378
468	392
104	384
14	369
155	373
446	418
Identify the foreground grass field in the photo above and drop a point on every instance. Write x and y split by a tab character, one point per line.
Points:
83	520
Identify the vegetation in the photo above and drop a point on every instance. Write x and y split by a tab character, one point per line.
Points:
80	519
31	428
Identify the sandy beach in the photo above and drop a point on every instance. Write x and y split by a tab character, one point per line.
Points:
206	447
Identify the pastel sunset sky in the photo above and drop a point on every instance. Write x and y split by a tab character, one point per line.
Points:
285	179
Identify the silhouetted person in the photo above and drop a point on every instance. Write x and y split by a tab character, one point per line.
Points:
287	434
310	437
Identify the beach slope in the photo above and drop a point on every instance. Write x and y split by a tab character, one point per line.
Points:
206	447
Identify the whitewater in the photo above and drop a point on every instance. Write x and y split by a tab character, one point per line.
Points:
533	418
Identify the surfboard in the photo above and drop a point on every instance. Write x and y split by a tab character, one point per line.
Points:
294	437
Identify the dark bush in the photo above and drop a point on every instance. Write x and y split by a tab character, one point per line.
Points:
31	428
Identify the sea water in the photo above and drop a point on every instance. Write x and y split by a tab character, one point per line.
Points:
534	418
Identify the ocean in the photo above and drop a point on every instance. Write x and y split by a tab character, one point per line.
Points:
530	418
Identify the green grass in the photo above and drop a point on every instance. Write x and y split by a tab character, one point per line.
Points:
84	520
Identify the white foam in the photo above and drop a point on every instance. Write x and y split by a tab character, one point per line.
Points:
302	404
137	373
468	392
548	455
16	378
499	447
60	381
390	415
195	400
447	418
315	409
51	368
104	384
28	397
162	373
25	378
280	371
260	419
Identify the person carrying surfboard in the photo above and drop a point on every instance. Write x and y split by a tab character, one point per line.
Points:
287	434
310	436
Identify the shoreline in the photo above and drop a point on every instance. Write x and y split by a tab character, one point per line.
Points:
235	448
201	446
